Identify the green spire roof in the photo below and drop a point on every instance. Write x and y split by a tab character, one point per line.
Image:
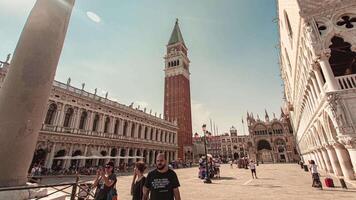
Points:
176	35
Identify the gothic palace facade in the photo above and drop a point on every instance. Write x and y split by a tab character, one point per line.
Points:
317	60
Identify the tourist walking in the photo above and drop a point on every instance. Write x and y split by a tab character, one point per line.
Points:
253	169
105	182
138	181
315	174
161	183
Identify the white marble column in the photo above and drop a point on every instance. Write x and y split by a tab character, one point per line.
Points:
117	161
82	162
318	77
327	71
121	126
327	160
67	162
137	127
322	161
51	156
26	89
334	160
345	161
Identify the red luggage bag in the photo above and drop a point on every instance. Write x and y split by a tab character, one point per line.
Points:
329	182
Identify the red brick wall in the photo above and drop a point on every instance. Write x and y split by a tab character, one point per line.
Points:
177	106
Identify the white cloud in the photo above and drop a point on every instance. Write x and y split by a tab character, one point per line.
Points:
200	115
93	17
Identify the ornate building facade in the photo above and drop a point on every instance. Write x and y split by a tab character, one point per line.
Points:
317	60
268	141
79	123
177	104
271	140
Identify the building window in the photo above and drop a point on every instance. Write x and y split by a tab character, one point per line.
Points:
342	59
68	117
347	21
116	126
107	123
51	113
83	119
95	122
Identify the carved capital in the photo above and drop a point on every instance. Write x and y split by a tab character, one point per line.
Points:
348	141
325	53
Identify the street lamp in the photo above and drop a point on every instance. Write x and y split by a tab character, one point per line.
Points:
207	177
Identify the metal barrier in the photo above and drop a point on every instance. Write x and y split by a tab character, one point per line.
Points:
79	191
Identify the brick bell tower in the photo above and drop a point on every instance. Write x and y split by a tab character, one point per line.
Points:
177	91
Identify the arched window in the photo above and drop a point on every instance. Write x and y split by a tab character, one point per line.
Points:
83	119
145	136
125	128
132	129
106	125
151	135
96	122
68	117
51	113
342	59
177	62
116	128
139	131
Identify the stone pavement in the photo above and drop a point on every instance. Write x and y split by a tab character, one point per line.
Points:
275	181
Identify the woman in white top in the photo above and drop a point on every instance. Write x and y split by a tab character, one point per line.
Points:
315	174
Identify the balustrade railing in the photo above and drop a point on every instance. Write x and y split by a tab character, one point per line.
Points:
347	82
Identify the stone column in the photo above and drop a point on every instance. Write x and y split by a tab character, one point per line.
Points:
127	154
111	125
147	157
89	124
135	135
59	115
76	118
82	162
51	156
117	161
319	78
327	160
334	160
326	68
25	92
345	161
322	161
316	87
121	127
352	151
67	162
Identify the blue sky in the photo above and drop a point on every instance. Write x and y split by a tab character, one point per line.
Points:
234	62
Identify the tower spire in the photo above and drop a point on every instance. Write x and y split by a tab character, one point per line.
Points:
176	35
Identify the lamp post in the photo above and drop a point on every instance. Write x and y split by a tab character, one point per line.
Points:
207	177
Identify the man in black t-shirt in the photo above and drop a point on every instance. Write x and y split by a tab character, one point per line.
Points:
161	183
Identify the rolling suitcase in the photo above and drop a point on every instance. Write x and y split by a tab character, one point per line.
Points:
329	182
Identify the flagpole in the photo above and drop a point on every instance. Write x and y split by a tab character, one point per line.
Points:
211	125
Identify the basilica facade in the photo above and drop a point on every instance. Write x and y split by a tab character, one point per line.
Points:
317	61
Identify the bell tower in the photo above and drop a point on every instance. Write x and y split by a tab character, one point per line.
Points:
177	91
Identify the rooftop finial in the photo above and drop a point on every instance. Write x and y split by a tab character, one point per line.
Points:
176	20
